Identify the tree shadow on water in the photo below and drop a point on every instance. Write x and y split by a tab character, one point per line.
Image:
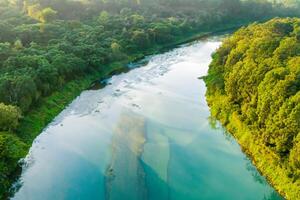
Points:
216	125
273	195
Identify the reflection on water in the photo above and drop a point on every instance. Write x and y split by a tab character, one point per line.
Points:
146	136
127	146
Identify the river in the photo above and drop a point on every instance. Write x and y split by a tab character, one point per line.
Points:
146	136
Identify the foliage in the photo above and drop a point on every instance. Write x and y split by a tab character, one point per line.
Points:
255	77
45	46
9	117
11	150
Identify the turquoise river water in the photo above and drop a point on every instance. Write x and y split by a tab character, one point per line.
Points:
146	136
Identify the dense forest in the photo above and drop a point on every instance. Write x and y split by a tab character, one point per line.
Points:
254	89
46	44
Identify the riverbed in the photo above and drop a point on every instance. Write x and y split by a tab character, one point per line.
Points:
147	135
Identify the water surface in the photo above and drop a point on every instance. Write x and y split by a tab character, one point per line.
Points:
147	135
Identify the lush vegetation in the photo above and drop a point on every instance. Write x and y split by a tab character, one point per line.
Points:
51	49
254	89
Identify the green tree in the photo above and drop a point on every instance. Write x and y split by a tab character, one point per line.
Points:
48	15
140	38
254	90
103	17
9	117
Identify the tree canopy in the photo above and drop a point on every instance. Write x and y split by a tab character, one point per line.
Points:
45	44
254	79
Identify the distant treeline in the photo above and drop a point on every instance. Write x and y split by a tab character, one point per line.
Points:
254	89
44	44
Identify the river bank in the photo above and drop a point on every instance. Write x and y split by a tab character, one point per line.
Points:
48	108
264	160
249	95
148	127
35	120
